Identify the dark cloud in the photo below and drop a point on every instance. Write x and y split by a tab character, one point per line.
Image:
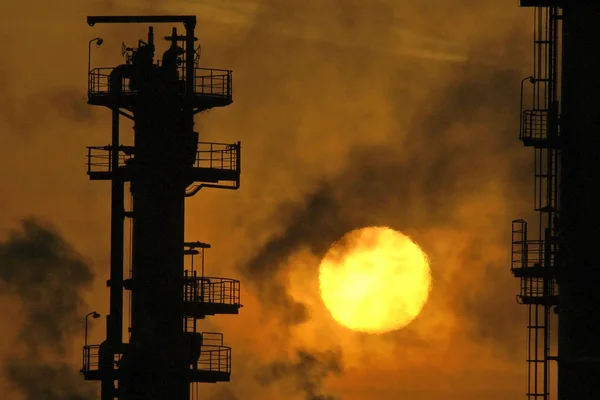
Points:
224	394
306	372
72	105
57	381
55	104
47	275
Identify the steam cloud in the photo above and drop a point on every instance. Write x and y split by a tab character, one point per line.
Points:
40	268
307	372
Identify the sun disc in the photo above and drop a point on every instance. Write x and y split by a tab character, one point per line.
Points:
375	280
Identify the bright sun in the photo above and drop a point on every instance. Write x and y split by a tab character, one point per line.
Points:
375	280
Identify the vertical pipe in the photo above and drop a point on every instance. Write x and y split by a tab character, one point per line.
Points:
115	333
189	58
114	321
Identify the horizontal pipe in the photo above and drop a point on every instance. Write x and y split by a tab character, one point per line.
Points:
122	19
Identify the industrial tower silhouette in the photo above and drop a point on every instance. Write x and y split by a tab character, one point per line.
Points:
164	357
560	119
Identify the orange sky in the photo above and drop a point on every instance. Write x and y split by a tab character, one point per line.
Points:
350	112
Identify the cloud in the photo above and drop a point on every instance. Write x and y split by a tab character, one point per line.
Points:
457	152
351	113
306	371
57	381
224	394
47	275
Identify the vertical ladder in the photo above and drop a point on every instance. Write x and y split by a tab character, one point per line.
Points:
191	250
189	323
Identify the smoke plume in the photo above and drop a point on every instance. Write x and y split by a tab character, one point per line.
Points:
46	274
306	372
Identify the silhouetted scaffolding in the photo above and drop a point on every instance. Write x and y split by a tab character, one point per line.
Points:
533	257
560	252
165	356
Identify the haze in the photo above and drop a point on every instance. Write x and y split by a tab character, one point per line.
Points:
351	113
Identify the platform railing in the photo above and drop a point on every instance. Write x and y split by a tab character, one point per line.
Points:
207	82
91	358
534	288
214	357
534	125
528	254
98	81
99	159
525	253
218	156
212	82
213	290
222	156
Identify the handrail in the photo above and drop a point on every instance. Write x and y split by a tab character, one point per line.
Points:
213	290
211	82
534	124
100	159
219	156
214	359
91	357
223	156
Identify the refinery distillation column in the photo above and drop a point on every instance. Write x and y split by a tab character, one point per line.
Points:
164	356
566	138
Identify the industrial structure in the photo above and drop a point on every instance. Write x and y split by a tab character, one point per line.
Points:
164	356
560	120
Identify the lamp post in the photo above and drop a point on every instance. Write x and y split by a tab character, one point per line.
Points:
99	42
94	315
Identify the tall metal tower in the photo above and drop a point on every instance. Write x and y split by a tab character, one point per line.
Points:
561	121
164	357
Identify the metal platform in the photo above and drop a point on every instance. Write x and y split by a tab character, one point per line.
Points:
533	128
215	163
538	286
212	88
204	296
213	364
91	363
533	133
532	292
